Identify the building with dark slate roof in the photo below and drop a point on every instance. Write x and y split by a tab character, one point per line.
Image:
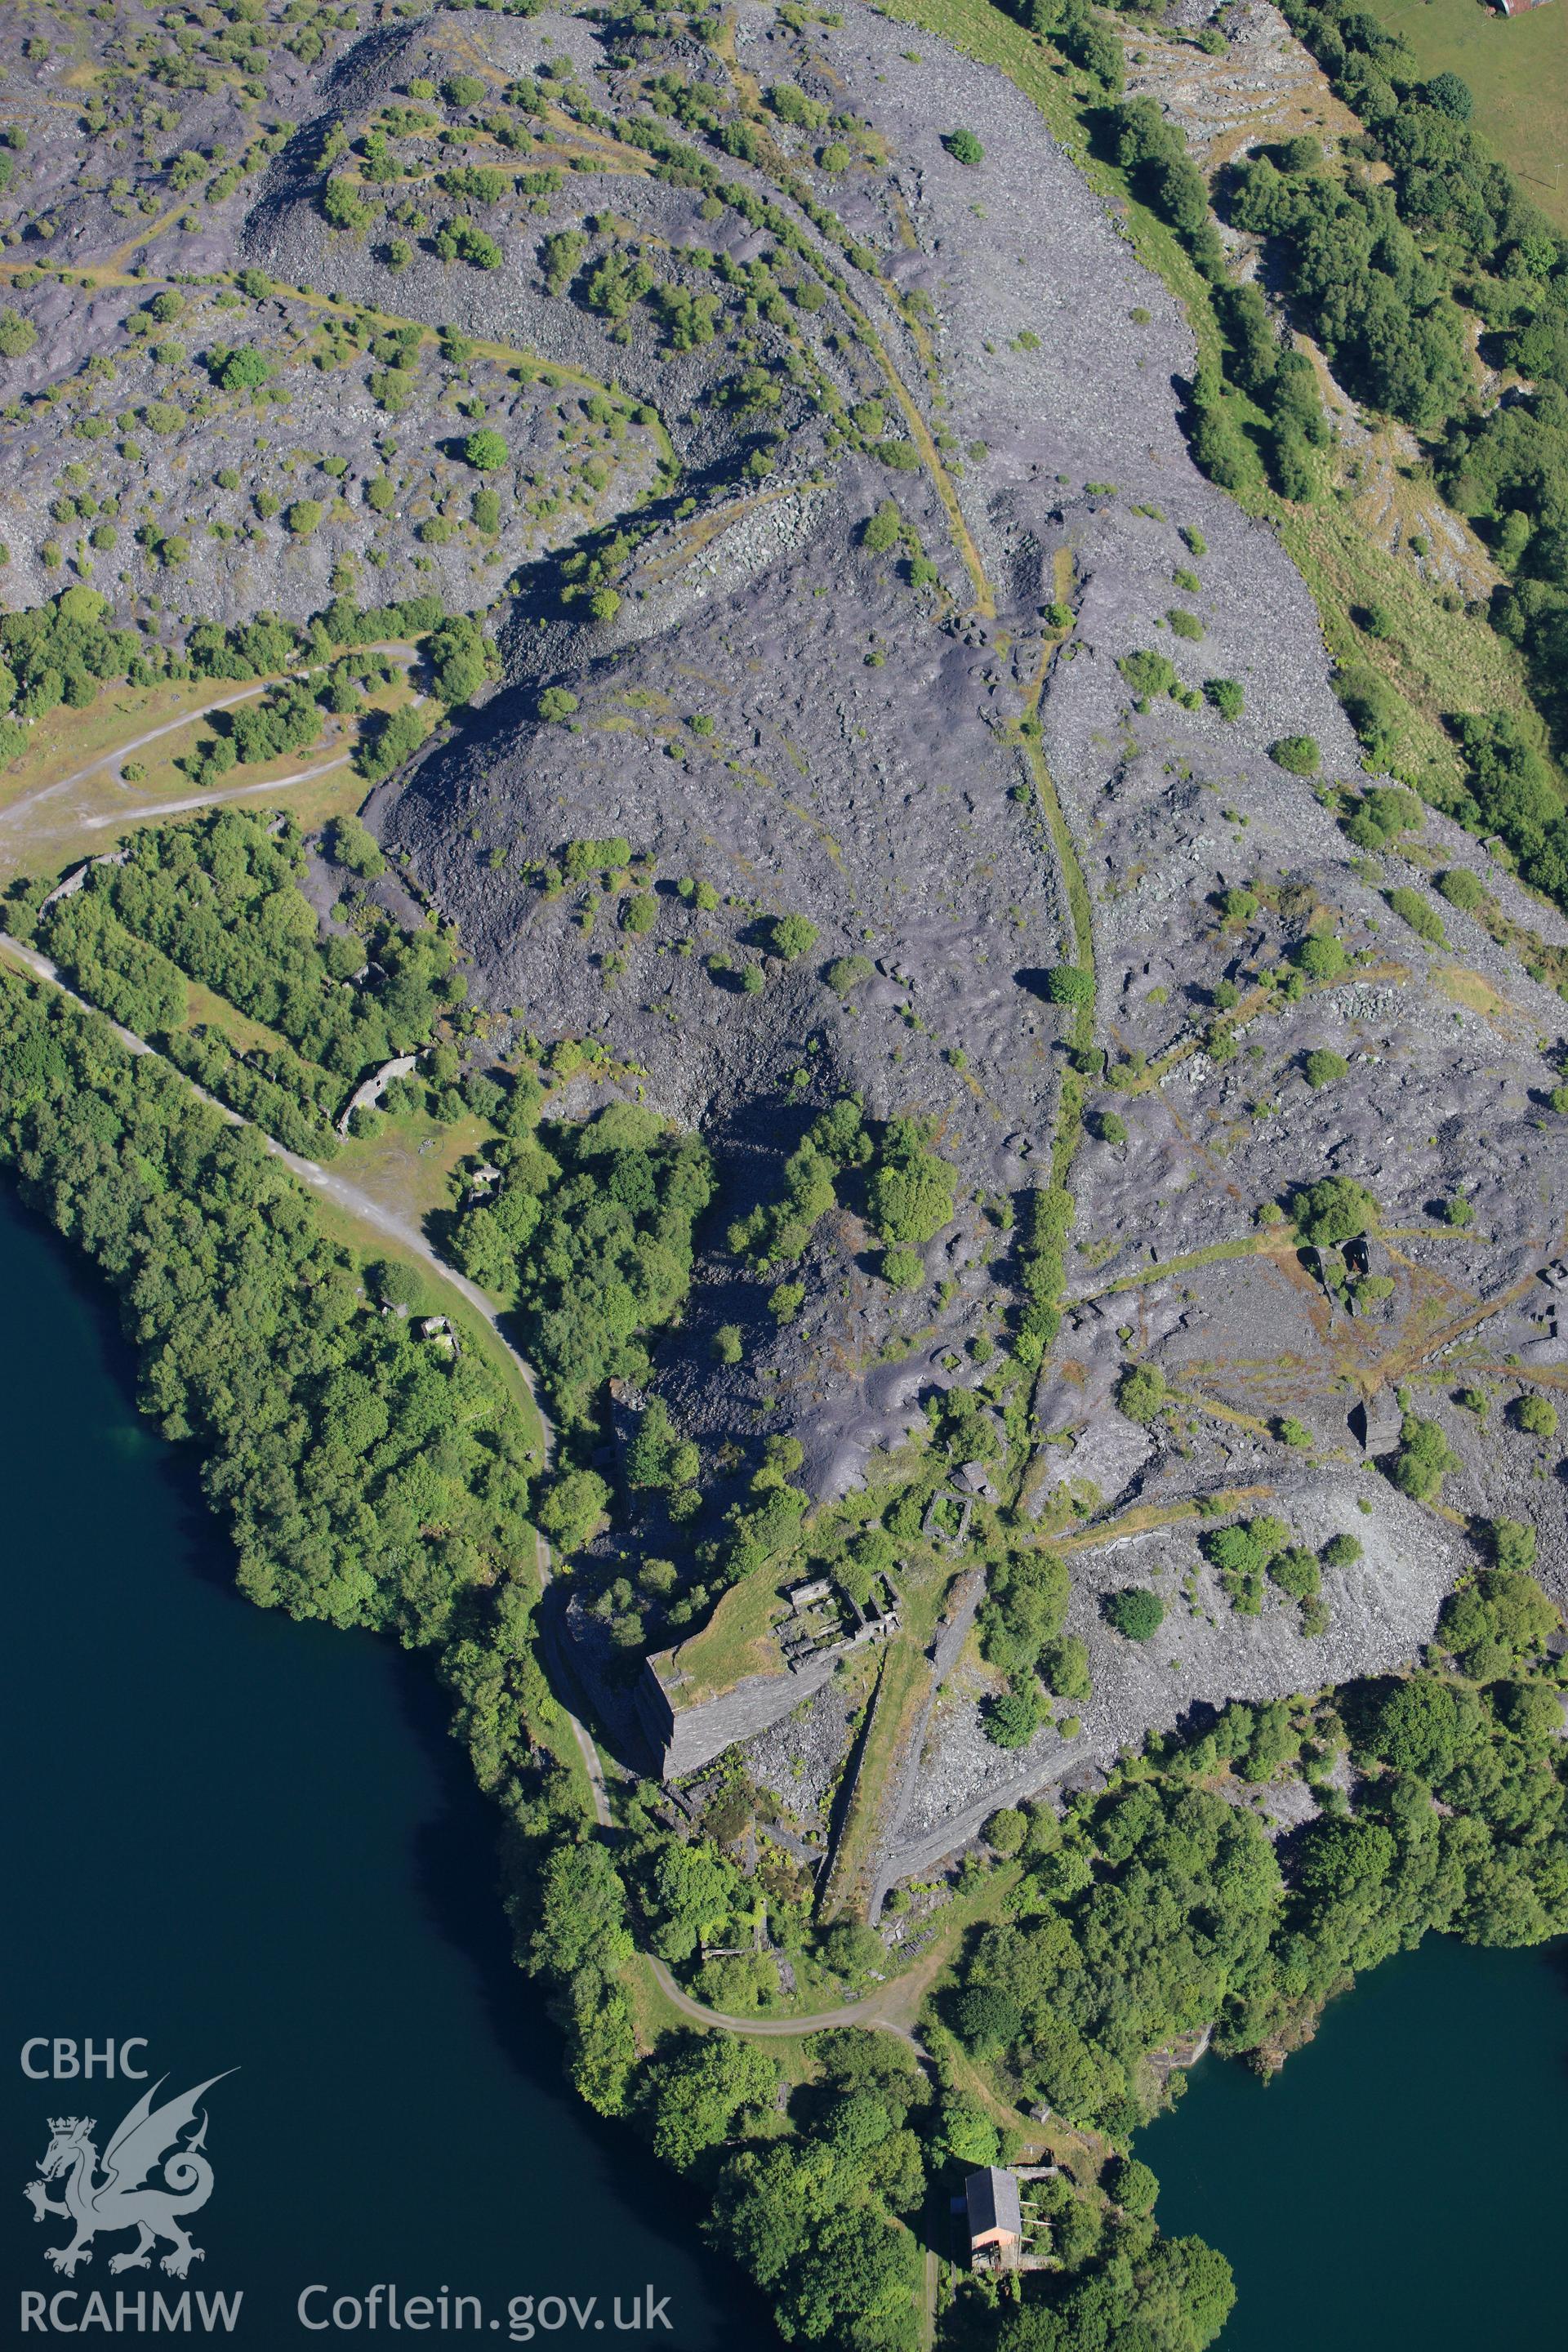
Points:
995	2221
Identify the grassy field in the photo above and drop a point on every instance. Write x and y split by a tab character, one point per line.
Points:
407	1166
736	1641
244	1033
66	741
1518	68
64	799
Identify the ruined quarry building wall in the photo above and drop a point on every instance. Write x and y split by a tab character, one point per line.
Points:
687	1738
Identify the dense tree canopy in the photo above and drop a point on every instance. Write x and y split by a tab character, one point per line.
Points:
910	1189
367	1477
1164	1906
592	1227
219	899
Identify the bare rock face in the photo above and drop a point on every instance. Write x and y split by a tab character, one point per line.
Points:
841	481
1381	1610
775	712
793	718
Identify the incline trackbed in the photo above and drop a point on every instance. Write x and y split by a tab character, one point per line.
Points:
408	1236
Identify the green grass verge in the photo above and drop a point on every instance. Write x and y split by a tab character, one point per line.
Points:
737	1639
1435	662
1517	68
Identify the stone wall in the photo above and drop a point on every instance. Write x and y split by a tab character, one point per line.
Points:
687	1738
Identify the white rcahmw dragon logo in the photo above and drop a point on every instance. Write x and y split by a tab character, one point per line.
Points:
148	2137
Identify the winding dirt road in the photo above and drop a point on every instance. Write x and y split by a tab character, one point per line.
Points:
123	751
214	800
392	649
337	1189
866	2012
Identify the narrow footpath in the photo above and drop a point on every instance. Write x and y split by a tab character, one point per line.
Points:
337	1189
871	2009
390	648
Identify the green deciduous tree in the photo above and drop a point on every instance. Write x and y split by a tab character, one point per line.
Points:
1136	1612
1322	1067
1298	754
1013	1717
1025	1603
699	2087
791	936
1067	985
582	1919
1333	1209
911	1189
1423	1459
1140	1392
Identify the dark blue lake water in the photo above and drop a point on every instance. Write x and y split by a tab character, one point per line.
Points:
1402	2183
252	1844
